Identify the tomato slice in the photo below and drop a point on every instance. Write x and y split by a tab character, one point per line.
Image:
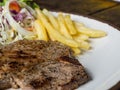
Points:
14	6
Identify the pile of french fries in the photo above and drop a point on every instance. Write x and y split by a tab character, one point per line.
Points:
63	29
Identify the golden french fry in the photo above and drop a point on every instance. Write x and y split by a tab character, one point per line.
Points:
51	37
70	25
63	28
76	51
78	24
93	33
41	32
31	37
57	36
52	19
84	45
81	37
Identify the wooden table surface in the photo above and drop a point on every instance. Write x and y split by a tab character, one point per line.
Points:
105	10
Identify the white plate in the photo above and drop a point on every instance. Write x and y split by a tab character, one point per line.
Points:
103	61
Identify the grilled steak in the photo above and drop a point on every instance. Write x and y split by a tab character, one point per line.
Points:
52	75
6	80
40	65
31	52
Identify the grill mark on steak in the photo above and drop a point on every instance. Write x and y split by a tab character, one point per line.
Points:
52	64
68	59
33	51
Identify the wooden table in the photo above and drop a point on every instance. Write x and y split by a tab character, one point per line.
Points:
105	10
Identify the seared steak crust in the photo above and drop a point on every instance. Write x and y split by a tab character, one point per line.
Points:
40	65
31	52
52	75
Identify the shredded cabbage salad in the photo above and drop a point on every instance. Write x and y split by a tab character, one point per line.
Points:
16	21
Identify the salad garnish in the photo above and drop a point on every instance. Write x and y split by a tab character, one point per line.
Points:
16	20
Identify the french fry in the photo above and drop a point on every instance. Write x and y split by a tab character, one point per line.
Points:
31	37
76	51
70	25
41	32
52	19
57	36
84	45
81	37
63	28
93	33
78	24
51	37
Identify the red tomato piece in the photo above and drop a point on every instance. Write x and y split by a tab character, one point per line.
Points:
14	6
